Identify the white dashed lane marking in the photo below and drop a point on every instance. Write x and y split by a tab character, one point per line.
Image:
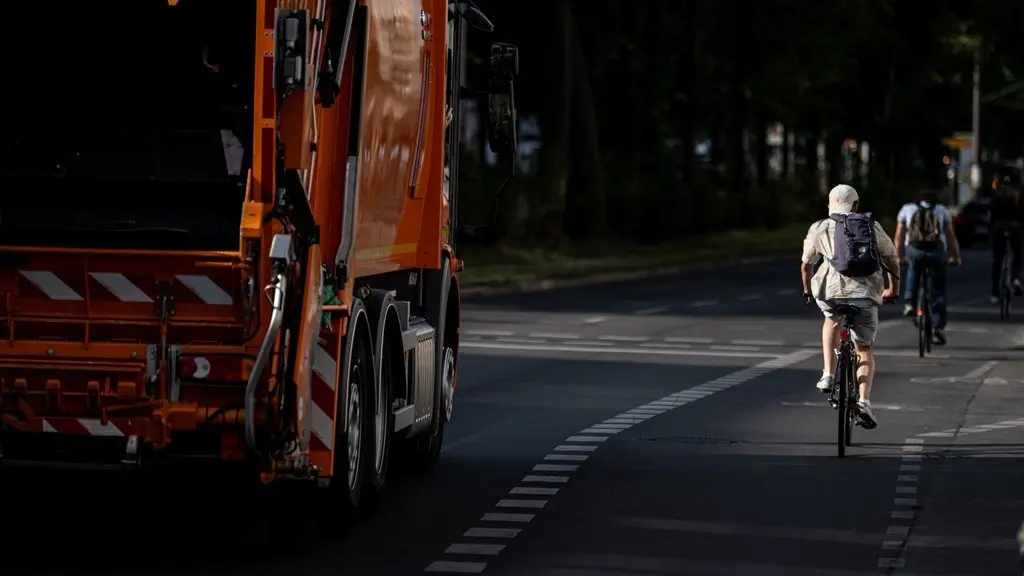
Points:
546	478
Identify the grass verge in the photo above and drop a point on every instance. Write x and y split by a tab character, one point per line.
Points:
494	267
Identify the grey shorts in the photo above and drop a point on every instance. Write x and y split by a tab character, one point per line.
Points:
865	324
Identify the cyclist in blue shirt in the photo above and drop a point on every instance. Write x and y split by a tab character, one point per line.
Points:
1005	216
924	235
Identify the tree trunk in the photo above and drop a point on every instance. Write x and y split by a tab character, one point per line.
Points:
558	108
587	140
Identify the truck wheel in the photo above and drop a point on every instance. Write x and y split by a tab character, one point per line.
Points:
383	420
427	446
353	443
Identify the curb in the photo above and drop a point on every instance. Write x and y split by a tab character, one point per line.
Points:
545	285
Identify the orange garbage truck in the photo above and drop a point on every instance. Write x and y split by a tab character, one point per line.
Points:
227	234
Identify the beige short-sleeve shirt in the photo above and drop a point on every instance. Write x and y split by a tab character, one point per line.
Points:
827	283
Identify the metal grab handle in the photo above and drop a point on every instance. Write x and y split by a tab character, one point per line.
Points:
280	287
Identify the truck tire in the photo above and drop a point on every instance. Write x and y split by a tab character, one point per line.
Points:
353	446
427	446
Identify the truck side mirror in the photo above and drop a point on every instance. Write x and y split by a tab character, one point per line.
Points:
501	107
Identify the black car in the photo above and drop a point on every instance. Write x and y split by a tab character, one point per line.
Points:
971	222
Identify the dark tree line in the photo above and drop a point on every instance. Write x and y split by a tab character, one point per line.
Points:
654	115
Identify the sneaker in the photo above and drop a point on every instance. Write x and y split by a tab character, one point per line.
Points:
824	384
866	416
939	337
908	309
1018	290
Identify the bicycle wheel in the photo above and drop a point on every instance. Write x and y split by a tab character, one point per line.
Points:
842	398
1005	292
851	399
922	325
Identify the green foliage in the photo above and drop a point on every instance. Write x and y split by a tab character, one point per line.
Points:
648	79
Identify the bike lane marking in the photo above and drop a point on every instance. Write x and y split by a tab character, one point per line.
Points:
557	467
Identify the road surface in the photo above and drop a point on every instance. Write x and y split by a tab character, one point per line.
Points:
666	427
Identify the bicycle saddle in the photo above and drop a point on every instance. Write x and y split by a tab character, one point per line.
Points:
845	310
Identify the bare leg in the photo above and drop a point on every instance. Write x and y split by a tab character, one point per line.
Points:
829	342
865	371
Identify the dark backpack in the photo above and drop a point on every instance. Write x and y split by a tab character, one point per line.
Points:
924	229
854	246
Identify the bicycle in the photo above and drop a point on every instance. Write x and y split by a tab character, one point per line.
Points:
1005	282
845	390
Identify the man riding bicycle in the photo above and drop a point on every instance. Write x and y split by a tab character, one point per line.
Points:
862	249
925	237
1006	216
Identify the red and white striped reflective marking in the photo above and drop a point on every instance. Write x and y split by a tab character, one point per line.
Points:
81	427
123	289
324	385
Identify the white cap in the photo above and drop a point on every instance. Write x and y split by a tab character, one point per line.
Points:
841	199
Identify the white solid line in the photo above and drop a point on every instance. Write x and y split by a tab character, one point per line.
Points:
750	297
594	319
566	457
610	427
515	503
492	532
545	479
533	491
457	567
702	303
519	340
555	468
500	517
649	311
757	342
664	345
589	343
476	549
488	332
586	438
553	336
737	348
622	350
615	338
688	340
574	448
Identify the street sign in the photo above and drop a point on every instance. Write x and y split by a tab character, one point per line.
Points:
957	143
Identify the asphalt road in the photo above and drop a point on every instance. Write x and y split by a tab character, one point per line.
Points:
667	427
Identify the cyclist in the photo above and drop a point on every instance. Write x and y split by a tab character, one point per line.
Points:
1005	215
925	236
865	292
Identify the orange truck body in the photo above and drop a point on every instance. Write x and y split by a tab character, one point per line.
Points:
336	312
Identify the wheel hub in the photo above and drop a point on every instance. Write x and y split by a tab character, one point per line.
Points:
448	382
355	417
